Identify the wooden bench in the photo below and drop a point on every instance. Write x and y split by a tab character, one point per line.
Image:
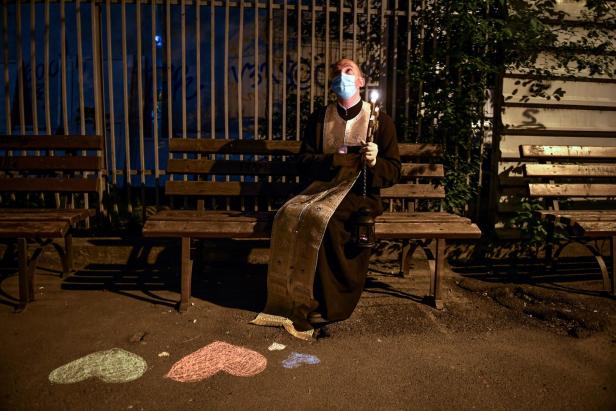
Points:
49	172
578	185
235	188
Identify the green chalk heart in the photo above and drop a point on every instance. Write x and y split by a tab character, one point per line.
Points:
112	366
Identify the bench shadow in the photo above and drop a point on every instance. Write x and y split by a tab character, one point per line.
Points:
135	279
577	275
377	284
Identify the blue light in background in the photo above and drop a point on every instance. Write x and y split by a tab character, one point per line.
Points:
159	40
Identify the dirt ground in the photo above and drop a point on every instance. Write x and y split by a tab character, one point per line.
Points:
503	341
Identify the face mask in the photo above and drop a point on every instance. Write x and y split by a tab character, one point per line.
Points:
344	86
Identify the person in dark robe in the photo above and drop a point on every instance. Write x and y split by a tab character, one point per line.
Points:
341	265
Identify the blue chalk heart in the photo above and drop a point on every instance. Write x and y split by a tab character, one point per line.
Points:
296	359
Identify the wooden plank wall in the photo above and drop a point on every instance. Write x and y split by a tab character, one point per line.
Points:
585	115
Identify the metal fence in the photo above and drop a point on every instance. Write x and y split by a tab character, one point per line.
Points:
139	72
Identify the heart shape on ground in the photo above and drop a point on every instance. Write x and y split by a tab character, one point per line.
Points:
112	366
215	357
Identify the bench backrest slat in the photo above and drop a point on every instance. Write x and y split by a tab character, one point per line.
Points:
572	190
230	188
231	167
46	163
54	185
573	153
51	142
570	170
211	146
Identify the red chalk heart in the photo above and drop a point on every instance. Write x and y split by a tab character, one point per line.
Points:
215	357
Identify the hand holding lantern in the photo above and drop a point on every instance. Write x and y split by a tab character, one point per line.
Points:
364	235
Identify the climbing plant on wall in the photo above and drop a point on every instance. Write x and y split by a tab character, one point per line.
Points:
463	48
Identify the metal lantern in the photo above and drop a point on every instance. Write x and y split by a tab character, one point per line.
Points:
364	235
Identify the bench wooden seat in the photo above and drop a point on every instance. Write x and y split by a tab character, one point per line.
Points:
60	171
236	186
585	177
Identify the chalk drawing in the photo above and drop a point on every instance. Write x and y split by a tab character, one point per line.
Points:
276	347
297	359
215	357
112	366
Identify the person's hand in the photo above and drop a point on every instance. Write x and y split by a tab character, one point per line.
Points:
369	152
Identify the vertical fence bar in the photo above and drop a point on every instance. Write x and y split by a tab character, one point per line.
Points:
212	69
240	66
5	57
354	52
33	66
298	80
270	68
112	140
226	86
82	116
127	165
63	71
63	79
212	75
394	60
326	66
183	65
45	70
46	84
200	202
155	104
138	34
368	8
340	28
312	52
382	56
285	11
421	39
169	78
198	64
183	76
98	85
226	73
409	54
20	70
256	47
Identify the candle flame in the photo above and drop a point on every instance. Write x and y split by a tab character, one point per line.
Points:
374	96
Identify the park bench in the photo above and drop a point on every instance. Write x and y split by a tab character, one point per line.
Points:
578	186
41	181
234	189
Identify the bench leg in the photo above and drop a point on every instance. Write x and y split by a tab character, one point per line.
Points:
613	252
66	255
408	249
437	275
186	270
549	248
24	288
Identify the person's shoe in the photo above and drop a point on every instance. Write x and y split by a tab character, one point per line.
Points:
316	318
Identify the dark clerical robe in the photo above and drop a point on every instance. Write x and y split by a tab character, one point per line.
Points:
341	266
314	266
